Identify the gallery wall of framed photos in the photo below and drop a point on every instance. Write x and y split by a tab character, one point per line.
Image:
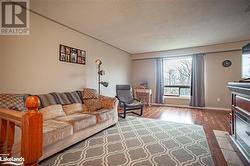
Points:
72	55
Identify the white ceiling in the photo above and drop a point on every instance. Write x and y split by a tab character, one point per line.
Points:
138	26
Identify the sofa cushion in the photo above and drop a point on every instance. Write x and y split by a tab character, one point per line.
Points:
52	111
54	131
74	108
103	114
12	101
79	120
88	93
74	97
47	100
61	98
93	104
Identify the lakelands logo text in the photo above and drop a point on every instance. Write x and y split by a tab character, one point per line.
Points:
6	160
14	17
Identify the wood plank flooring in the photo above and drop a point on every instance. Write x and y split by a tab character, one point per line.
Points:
209	119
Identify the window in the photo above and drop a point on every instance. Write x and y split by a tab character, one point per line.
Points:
177	76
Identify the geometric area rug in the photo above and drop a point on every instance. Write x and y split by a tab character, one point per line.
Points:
136	141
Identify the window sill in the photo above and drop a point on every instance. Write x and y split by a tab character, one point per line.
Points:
177	97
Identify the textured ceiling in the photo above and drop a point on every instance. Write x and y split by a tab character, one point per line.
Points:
138	26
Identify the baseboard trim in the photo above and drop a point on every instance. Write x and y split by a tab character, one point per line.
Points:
218	108
187	106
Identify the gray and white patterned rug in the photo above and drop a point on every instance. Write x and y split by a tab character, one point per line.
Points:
139	142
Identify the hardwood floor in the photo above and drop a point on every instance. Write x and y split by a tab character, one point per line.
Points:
209	119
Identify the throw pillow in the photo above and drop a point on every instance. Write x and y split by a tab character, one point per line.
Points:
52	111
88	93
12	101
107	102
93	104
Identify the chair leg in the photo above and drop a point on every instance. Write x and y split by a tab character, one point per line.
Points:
141	111
124	113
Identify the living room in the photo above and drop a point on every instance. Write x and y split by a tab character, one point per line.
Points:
181	54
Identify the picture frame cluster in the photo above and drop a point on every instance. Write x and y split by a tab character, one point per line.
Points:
72	55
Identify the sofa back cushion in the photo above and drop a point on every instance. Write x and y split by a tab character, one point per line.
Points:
13	101
74	108
74	97
47	100
53	111
67	97
61	98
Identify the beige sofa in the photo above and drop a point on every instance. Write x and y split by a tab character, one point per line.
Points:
64	131
69	118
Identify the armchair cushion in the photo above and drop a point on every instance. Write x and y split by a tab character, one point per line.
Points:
133	104
124	93
125	96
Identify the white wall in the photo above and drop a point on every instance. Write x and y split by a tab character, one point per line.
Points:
217	76
30	64
144	71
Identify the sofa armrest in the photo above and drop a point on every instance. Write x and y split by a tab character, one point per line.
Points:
12	115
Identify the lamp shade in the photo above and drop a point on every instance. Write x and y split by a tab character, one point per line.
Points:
98	62
101	72
105	84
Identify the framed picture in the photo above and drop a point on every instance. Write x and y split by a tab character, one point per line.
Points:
72	55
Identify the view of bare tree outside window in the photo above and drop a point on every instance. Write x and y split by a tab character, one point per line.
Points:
177	76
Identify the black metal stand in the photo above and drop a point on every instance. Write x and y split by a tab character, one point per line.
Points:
99	79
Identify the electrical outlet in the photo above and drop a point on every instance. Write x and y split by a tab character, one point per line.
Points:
218	99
